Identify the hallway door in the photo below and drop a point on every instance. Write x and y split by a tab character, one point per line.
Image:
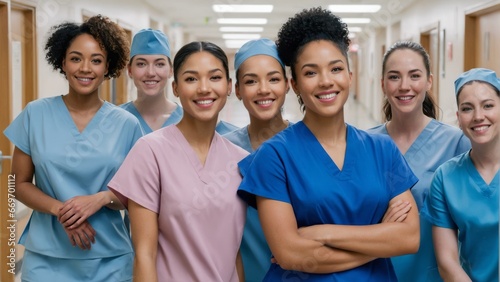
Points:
482	39
18	87
429	39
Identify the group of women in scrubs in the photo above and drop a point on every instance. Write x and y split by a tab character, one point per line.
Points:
324	200
71	145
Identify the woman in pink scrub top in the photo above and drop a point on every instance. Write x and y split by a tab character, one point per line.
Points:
180	182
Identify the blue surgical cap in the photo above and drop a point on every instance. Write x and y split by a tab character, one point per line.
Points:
479	74
150	42
262	46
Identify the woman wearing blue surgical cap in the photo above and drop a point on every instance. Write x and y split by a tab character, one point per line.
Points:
150	67
463	201
261	84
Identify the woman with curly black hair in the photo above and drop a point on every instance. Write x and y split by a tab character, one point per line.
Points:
334	202
72	145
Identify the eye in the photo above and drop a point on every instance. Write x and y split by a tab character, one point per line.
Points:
489	106
415	76
190	79
140	64
216	77
393	77
250	82
75	59
160	65
275	79
465	109
337	69
309	73
96	61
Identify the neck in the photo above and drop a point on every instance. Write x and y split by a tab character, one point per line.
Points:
328	130
486	156
77	102
154	105
199	134
407	125
261	130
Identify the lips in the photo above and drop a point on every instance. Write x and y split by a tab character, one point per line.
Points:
264	102
405	98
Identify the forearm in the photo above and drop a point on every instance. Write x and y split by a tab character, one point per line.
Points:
34	198
110	200
378	240
452	272
144	269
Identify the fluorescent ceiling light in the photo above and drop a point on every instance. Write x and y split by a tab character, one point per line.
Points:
354	8
355	29
242	8
241	36
242	21
235	44
356	20
241	29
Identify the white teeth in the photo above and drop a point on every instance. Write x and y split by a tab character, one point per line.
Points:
405	98
204	102
84	79
150	82
264	102
327	96
481	128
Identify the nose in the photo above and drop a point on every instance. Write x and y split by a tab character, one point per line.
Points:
478	115
405	85
85	66
203	86
263	88
325	80
150	70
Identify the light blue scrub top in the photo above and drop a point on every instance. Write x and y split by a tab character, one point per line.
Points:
68	164
254	249
436	144
174	118
460	199
293	167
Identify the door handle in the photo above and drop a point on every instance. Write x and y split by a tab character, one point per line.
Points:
2	157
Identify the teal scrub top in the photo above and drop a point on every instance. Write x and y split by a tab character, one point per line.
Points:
70	163
460	199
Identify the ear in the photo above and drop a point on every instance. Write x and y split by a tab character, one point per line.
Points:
170	73
237	91
294	86
459	125
229	87
129	70
429	82
350	78
174	89
287	86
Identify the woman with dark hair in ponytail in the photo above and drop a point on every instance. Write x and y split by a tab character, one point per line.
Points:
426	143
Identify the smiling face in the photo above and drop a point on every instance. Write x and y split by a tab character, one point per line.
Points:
150	74
322	79
202	86
479	113
262	86
85	65
405	82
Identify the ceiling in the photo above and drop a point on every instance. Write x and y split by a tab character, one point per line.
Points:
199	21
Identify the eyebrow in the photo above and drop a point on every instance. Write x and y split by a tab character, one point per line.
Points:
156	60
315	65
480	102
196	72
80	54
268	74
411	71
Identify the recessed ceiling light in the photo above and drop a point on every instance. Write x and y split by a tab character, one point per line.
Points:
241	29
354	8
235	44
242	21
242	8
356	20
240	36
355	29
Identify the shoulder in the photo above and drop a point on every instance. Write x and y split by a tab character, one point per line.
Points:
232	148
447	129
120	113
454	164
126	106
366	137
379	129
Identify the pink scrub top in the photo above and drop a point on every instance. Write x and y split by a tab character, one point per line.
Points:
200	217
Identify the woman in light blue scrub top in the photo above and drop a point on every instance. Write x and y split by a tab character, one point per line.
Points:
463	201
150	67
426	143
67	149
261	84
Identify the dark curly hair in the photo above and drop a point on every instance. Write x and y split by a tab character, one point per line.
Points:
310	25
110	36
429	108
199	46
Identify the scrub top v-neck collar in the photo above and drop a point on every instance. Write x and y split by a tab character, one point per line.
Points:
317	149
203	171
71	123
